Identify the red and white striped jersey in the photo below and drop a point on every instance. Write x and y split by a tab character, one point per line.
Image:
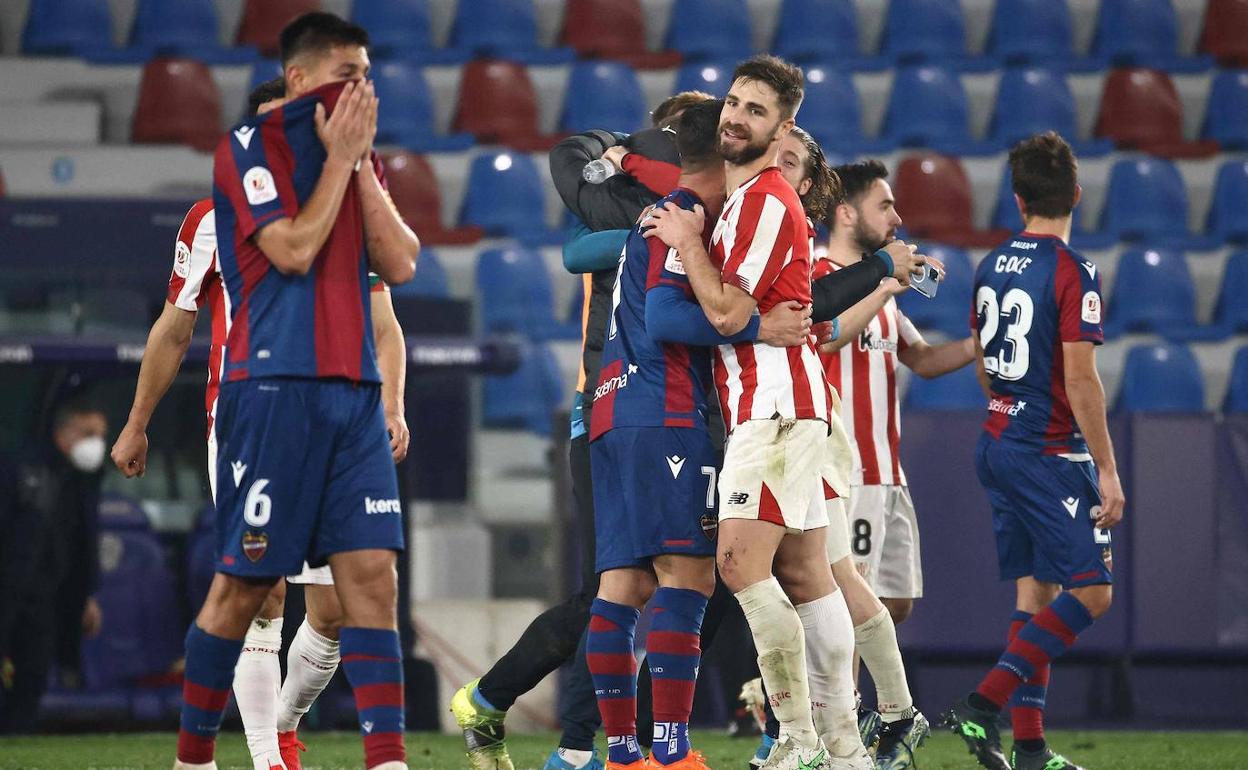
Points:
864	372
762	243
196	283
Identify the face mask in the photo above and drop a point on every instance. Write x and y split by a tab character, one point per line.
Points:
87	455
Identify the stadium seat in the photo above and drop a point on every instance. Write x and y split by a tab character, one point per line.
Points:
179	103
263	21
603	94
713	77
1033	100
185	28
936	93
1142	33
528	397
1231	311
408	119
399	28
516	293
936	202
831	113
1237	393
498	105
1031	31
505	195
1226	117
817	31
1228	215
263	71
1140	110
119	512
415	192
612	29
923	30
1147	201
1161	378
706	29
505	29
430	279
957	391
1223	34
67	27
1153	292
947	311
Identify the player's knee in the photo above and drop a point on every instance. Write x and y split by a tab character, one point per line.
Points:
1096	599
274	604
899	609
231	604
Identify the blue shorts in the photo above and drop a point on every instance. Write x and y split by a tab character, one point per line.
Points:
304	470
1042	512
654	494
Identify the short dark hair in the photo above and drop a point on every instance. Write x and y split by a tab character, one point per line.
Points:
825	186
71	409
856	180
676	103
318	32
266	92
697	134
1044	174
784	78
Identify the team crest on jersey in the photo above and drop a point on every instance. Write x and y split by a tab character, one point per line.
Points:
255	544
1107	556
1091	308
710	525
259	185
181	260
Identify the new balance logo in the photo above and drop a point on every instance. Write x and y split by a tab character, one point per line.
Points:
239	469
676	463
1071	504
738	498
243	135
372	506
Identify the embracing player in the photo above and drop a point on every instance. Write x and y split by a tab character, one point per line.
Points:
1045	457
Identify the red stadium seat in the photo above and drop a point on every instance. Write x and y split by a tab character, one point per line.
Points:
414	189
1225	35
612	29
498	105
263	21
178	104
1140	110
936	202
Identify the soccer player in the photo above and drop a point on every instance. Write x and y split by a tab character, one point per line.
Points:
1045	457
786	441
304	465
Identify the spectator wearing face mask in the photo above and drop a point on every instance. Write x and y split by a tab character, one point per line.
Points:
49	546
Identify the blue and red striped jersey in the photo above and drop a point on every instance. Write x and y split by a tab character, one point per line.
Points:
643	382
314	325
1032	294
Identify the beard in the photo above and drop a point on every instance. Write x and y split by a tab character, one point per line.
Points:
867	241
748	152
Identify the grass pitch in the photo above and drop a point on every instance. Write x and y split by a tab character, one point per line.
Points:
1102	750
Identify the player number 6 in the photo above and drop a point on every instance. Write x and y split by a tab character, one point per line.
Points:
258	506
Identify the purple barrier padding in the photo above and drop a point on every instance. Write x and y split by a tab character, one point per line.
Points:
1214	696
1232	539
1173	532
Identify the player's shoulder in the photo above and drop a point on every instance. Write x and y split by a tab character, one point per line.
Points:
1063	253
200	221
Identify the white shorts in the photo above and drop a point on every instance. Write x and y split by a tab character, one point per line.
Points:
320	576
778	470
838	530
884	538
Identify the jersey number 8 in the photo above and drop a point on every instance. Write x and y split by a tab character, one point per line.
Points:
1010	360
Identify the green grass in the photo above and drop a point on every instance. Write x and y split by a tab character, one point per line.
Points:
332	751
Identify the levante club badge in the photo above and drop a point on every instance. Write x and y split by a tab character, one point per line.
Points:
710	525
254	545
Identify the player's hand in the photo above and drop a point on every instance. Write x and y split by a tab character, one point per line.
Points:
907	261
130	452
892	287
1113	501
348	133
396	426
785	325
615	156
823	332
91	618
936	263
675	226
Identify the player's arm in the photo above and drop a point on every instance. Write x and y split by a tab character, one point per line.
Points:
1087	403
392	362
837	292
292	243
585	251
162	357
981	372
850	323
928	361
392	246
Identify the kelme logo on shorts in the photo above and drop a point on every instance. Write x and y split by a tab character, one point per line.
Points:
372	506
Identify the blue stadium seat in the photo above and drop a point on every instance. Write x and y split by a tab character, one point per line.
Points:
1226	117
949	310
816	31
1147	201
528	397
1237	394
924	30
831	113
516	294
395	27
503	29
1228	215
603	94
1141	33
1231	311
430	279
408	119
186	28
68	27
957	391
713	77
1030	31
1032	100
937	94
1161	378
1153	292
119	512
705	29
262	71
505	195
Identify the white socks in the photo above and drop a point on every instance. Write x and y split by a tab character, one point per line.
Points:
877	644
778	637
575	757
310	664
257	678
829	660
